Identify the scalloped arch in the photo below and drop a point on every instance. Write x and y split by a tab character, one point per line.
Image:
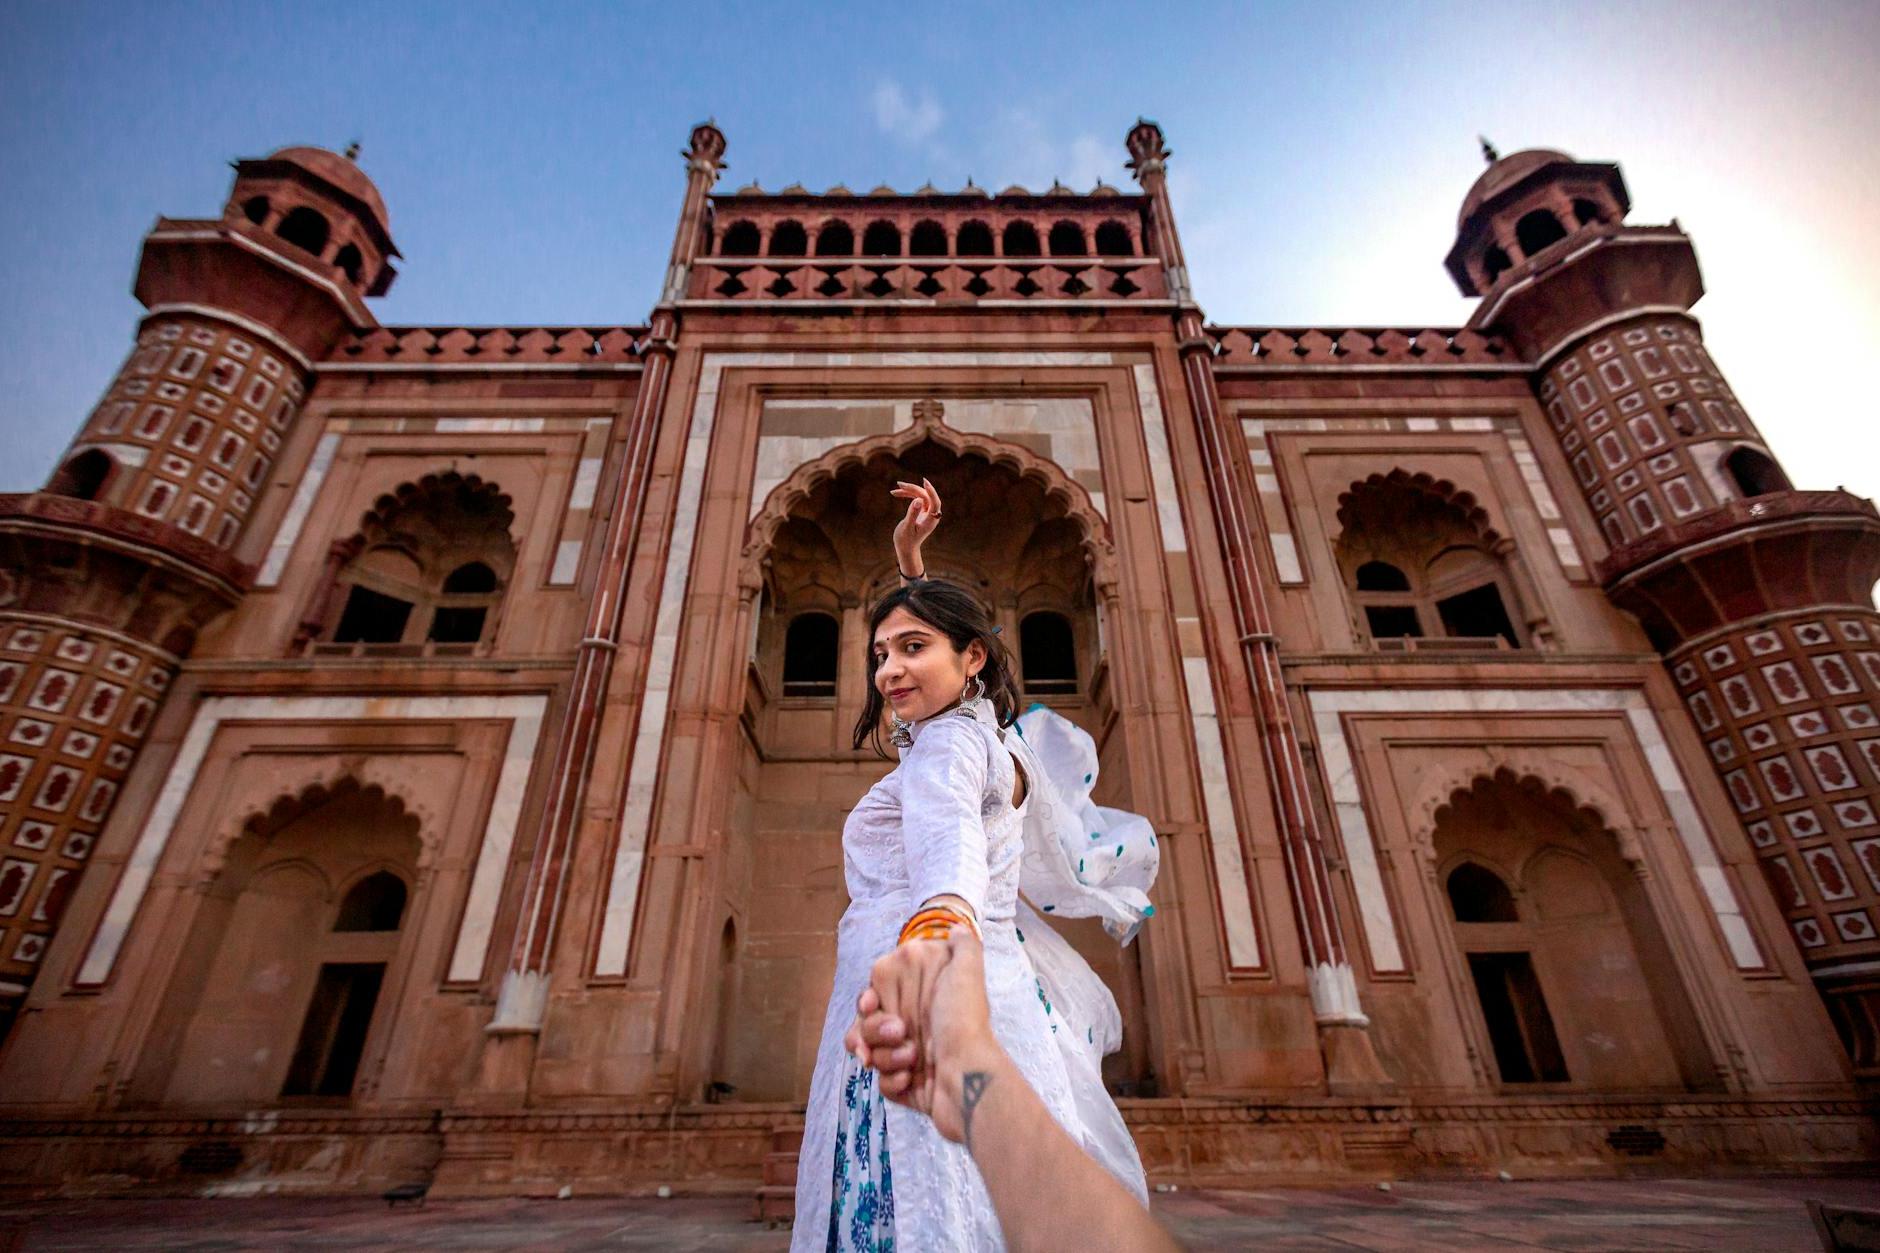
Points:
1442	490
785	498
1564	788
376	523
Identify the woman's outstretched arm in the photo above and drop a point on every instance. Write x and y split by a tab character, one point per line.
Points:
923	516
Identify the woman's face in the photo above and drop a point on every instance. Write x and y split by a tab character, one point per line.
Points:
918	671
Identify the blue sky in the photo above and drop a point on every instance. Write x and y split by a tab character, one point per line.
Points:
528	154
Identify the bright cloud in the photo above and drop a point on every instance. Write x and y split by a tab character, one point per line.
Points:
910	121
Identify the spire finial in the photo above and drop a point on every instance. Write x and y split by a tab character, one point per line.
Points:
1488	150
352	151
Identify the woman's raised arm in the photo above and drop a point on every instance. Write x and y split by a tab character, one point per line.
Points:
923	516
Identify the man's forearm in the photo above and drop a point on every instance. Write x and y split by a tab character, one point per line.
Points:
1047	1191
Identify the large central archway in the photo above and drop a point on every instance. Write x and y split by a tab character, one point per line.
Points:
1027	541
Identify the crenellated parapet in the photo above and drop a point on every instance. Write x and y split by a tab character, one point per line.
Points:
1256	348
492	346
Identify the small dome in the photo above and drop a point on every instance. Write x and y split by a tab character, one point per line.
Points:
342	172
1505	173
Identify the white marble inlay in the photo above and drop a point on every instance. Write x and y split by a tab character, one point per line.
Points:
488	426
1286	557
567	562
499	830
1360	848
1230	869
587	475
297	510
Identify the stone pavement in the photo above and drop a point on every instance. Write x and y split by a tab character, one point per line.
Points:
1708	1214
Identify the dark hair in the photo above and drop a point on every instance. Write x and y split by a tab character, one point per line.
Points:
957	614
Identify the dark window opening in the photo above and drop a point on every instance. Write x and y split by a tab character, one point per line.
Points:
333	1035
1477	614
1587	212
457	624
928	239
835	240
1756	473
1113	240
350	262
1495	262
1537	230
470	578
83	476
1392	621
1519	1026
788	239
1381	576
809	656
740	240
306	229
974	240
1047	654
1021	240
1067	240
1477	894
376	903
881	239
255	209
372	618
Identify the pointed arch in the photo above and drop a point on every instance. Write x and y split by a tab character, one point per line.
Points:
1447	493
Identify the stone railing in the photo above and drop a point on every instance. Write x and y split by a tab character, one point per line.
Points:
117	523
940	280
1335	347
523	345
1756	511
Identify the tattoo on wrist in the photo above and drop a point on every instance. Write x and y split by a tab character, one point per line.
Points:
973	1085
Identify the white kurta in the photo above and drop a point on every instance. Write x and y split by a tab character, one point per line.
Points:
942	822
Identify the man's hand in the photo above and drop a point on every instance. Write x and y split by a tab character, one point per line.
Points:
925	1027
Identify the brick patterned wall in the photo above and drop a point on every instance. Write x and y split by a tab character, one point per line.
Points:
1789	708
1644	416
195	420
75	706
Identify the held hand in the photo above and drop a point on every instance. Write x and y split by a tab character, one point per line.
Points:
922	518
921	1059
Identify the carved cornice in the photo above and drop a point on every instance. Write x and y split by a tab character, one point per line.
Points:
133	533
1756	512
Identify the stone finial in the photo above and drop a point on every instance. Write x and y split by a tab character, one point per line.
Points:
1148	151
928	410
352	152
708	145
1488	150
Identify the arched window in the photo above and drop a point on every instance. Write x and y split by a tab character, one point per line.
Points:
434	559
788	239
974	240
376	903
1021	240
1477	894
306	229
1067	240
881	239
255	209
1755	472
1587	212
740	240
809	655
1113	240
1537	230
927	239
1047	654
1495	262
83	477
835	240
1420	564
464	604
350	262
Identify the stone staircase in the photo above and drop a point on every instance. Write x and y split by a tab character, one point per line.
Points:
776	1196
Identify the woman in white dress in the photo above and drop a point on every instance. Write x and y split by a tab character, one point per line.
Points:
943	840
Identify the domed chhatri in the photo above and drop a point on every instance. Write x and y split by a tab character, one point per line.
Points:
1503	173
342	172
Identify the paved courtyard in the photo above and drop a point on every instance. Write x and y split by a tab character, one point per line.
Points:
1709	1214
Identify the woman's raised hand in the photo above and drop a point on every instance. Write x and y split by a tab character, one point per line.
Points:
923	516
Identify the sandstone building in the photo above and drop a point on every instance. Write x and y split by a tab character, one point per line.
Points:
423	754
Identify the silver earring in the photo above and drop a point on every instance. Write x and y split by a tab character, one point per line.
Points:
972	695
900	731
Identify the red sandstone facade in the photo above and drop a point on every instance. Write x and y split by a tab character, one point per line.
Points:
423	751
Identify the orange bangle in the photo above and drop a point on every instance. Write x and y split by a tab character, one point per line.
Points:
935	922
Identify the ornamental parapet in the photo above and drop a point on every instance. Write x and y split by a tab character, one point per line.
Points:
1268	348
492	345
959	281
131	528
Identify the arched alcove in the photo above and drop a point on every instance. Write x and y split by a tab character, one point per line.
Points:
1563	969
306	229
281	990
1755	472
